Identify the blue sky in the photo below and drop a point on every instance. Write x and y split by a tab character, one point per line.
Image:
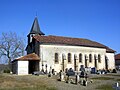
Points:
97	20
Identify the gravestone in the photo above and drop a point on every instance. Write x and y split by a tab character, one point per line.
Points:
84	83
77	79
93	70
62	76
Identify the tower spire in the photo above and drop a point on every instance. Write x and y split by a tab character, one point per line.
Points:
36	28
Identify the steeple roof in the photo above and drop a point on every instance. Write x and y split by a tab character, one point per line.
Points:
36	28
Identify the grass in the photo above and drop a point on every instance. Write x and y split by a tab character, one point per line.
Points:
29	88
113	75
102	78
105	87
117	79
43	82
12	82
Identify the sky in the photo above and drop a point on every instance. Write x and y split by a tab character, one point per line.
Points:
97	20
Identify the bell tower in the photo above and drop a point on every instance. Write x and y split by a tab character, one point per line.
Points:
35	30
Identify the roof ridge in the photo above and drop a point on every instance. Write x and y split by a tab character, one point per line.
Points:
65	37
71	41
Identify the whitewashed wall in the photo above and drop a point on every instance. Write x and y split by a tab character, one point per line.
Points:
22	68
111	60
47	55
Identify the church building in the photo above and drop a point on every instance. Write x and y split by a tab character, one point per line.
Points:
61	53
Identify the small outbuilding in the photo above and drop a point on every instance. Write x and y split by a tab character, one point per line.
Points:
26	64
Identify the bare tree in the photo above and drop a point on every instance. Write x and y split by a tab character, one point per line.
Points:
11	46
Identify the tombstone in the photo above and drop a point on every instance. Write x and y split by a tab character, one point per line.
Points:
86	76
81	81
67	80
53	71
77	79
116	86
93	70
61	75
82	68
84	83
82	74
46	69
49	74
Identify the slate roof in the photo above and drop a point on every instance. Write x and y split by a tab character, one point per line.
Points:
36	28
31	56
117	57
70	41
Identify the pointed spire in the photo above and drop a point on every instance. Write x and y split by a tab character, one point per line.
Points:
35	28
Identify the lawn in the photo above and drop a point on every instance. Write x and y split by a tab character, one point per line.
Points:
105	87
102	78
43	82
29	82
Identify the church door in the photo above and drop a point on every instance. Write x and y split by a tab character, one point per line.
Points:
33	66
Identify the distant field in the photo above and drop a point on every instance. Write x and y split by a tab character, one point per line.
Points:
31	82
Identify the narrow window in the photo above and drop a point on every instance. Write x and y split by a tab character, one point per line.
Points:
80	57
90	57
99	58
56	57
69	57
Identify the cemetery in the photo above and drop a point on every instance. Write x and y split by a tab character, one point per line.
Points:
86	78
69	80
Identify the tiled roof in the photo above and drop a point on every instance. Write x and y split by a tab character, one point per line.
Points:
70	41
31	56
117	56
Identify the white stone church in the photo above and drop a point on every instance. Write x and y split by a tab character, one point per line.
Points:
61	53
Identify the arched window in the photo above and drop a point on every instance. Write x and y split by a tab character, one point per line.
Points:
99	58
90	57
80	57
56	57
69	57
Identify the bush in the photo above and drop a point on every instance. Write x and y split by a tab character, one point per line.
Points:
6	71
